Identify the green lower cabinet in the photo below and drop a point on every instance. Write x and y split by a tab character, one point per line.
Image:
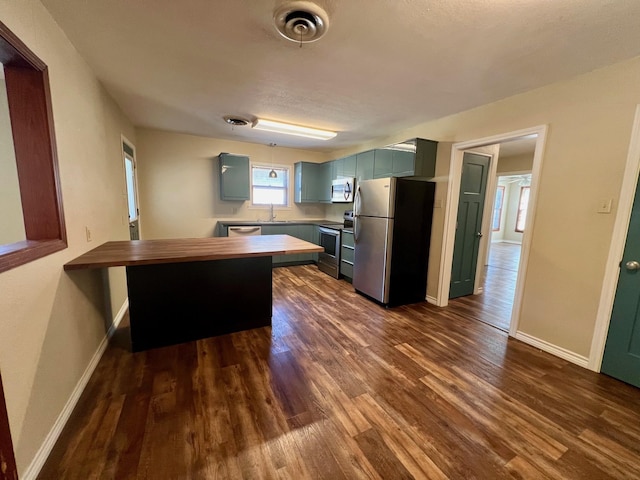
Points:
347	255
303	232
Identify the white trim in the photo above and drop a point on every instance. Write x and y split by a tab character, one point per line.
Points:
616	249
124	140
514	172
119	316
563	353
289	188
33	470
451	210
432	300
511	241
487	214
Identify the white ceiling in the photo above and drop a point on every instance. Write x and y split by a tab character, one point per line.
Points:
383	66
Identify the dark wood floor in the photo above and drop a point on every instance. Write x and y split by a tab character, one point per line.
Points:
495	304
341	388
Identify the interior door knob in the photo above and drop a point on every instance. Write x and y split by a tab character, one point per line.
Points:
479	234
632	265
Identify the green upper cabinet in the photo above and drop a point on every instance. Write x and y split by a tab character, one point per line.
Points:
402	163
346	167
426	151
234	177
383	163
400	159
312	182
334	166
364	165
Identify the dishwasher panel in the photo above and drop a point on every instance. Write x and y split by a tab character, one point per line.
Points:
244	231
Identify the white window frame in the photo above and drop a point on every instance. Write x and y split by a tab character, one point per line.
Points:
286	168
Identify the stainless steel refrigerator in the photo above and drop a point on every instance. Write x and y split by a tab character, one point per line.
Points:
392	233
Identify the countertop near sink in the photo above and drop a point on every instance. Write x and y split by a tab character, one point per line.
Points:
249	223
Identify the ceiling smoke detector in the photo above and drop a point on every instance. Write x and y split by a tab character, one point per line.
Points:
301	22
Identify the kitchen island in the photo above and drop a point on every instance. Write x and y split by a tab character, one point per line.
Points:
186	289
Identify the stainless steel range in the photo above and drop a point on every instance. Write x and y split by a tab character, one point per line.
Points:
331	240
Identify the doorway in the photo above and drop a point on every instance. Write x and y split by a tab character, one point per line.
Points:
130	169
533	139
616	258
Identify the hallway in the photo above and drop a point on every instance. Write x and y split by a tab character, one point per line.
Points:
494	305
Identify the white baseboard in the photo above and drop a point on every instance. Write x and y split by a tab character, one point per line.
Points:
119	316
563	353
32	471
432	300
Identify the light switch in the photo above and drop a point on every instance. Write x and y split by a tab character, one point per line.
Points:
605	205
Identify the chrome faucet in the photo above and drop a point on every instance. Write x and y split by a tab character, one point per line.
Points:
272	217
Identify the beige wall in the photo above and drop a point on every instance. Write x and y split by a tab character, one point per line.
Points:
179	185
10	205
589	119
516	163
52	322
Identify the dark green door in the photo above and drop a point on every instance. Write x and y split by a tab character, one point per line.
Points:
622	350
475	169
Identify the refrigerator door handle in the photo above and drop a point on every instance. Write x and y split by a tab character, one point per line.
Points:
356	210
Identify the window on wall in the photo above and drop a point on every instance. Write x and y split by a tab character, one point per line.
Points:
522	209
497	208
31	118
267	189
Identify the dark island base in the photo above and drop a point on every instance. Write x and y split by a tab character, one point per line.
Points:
172	303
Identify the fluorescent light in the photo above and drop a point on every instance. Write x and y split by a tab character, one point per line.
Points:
278	127
402	147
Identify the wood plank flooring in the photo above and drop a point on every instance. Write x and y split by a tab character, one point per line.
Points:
340	388
495	304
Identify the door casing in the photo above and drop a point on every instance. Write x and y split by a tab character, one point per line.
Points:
130	144
616	249
451	210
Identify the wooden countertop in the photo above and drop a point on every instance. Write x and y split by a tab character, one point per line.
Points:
146	252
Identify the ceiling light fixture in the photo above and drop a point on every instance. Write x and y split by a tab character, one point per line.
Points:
272	173
289	129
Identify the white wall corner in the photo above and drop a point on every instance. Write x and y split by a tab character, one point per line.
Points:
563	353
33	470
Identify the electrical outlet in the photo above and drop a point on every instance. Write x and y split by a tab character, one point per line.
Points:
88	232
604	206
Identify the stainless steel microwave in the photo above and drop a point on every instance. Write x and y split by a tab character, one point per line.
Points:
342	190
